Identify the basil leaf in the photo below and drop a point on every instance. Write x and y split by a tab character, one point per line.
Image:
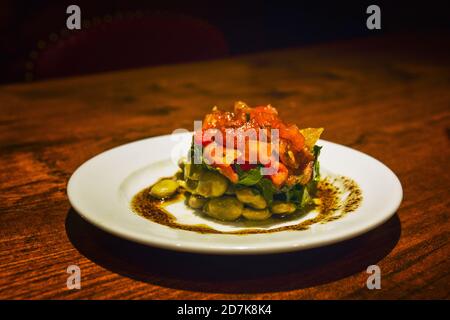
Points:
294	193
238	169
250	177
267	189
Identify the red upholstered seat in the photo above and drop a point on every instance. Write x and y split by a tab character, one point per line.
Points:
129	43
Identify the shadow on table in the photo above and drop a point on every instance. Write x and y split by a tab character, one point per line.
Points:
232	274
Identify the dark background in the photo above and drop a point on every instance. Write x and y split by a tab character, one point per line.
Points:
35	43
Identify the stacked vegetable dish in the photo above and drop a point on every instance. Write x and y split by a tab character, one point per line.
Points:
247	164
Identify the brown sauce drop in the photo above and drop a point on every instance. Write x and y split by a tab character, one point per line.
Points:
329	205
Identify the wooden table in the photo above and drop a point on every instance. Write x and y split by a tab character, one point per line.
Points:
387	96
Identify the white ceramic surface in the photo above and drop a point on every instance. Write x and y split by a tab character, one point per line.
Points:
101	189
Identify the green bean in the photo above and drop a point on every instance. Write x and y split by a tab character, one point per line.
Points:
164	189
280	207
224	208
251	198
255	214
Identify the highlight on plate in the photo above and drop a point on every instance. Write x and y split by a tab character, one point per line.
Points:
249	165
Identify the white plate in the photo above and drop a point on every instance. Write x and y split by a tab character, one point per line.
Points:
101	190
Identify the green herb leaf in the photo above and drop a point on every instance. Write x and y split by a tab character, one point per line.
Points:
305	199
251	177
267	189
195	153
294	193
316	152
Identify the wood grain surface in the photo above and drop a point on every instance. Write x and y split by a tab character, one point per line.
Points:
387	96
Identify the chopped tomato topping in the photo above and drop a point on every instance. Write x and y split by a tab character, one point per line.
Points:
228	172
279	178
247	166
290	146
